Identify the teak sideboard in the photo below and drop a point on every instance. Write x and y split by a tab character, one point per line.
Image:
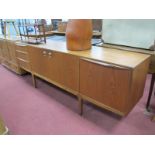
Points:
109	78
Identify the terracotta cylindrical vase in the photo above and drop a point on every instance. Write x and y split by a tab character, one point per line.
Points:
79	34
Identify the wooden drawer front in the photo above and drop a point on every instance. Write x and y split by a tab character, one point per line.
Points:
24	64
108	85
21	47
22	55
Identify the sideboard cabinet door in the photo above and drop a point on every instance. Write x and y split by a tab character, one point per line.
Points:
56	67
64	69
12	51
105	85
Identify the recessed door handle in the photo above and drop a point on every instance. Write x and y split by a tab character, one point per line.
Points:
104	64
23	45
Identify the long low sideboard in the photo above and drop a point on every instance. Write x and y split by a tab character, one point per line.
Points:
110	78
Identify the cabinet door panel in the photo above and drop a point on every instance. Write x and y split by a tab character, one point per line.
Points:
70	71
39	61
64	69
57	67
5	50
12	51
107	85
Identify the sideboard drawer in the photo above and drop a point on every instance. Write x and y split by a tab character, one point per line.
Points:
21	47
24	64
22	55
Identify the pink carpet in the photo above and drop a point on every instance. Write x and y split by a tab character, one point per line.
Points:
49	110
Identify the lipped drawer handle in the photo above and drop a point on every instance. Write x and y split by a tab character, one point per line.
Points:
104	64
18	44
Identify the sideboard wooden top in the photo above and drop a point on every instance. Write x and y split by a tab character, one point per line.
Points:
114	56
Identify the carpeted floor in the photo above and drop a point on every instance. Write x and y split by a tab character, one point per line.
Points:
49	110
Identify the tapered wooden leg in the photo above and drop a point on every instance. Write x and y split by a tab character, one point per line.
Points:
150	91
34	81
153	118
80	105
